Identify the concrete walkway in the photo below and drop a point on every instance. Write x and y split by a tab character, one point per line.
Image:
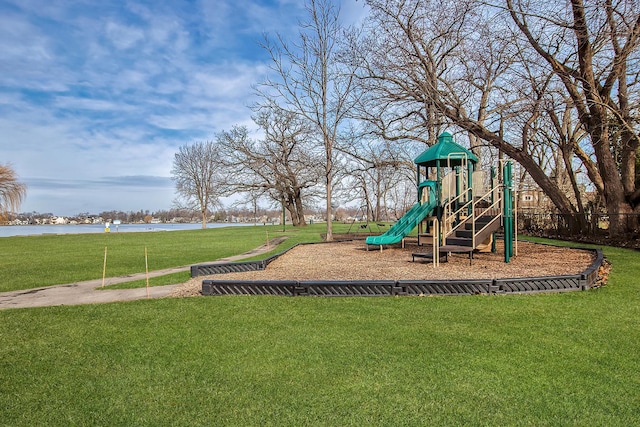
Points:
88	292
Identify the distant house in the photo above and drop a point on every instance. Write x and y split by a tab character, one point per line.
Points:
532	199
60	220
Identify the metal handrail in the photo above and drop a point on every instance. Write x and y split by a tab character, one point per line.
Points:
448	216
473	226
496	202
473	213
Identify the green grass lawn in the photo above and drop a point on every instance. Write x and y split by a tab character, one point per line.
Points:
552	359
33	261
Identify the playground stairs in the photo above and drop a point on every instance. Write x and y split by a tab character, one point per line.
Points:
483	226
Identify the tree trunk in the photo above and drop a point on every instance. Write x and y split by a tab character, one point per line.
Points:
619	223
581	220
613	188
329	237
597	124
292	214
292	207
368	211
299	209
204	218
378	213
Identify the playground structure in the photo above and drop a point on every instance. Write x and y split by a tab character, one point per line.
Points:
455	206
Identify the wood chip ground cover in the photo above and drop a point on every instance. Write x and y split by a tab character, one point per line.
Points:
351	261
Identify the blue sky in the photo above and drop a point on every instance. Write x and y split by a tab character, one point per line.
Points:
96	96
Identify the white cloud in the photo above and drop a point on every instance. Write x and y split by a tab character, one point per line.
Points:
77	103
123	36
20	41
111	89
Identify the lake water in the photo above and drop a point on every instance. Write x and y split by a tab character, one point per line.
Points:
32	230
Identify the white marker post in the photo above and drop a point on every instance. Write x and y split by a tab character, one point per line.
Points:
146	267
104	266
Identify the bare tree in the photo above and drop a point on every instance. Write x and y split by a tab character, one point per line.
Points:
312	83
378	55
281	167
593	50
12	192
380	171
197	178
586	58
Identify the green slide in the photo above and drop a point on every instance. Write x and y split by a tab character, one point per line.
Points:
405	224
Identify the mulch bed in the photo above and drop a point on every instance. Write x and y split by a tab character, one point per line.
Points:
350	260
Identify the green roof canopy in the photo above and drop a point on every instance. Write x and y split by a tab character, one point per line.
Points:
445	149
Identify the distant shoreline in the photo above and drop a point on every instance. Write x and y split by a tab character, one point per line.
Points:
60	229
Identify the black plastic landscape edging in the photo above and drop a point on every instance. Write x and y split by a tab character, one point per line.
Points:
333	288
238	266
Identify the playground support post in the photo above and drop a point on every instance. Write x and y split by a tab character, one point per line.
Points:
435	240
493	179
515	223
418	181
508	211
